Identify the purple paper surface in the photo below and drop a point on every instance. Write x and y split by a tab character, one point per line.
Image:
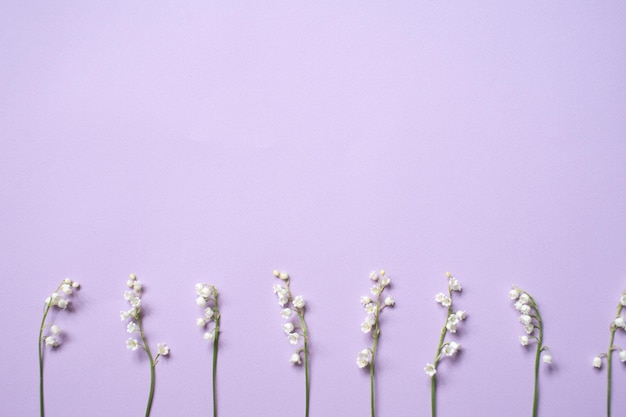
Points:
195	142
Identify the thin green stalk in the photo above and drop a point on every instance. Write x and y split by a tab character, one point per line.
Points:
43	323
215	345
374	346
433	383
152	366
537	357
307	386
609	362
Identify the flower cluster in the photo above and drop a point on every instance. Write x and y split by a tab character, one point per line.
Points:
373	307
207	299
133	314
454	318
295	331
531	320
618	323
59	299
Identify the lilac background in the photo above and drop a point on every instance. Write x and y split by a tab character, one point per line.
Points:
199	142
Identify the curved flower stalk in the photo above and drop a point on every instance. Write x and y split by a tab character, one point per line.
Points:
297	331
533	326
54	336
207	299
618	323
445	348
135	325
373	308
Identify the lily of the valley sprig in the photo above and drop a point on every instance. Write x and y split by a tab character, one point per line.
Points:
373	308
296	330
445	348
134	317
207	299
53	337
533	327
618	323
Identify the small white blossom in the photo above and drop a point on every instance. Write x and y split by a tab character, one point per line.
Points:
524	298
619	322
365	300
371	308
295	359
513	294
385	282
547	358
524	340
389	301
622	355
62	303
210	335
363	359
132	327
288	328
201	322
163	349
66	288
55	330
449	349
597	362
374	276
51	341
293	338
454	284
622	300
298	302
284	276
461	315
286	313
525	319
430	370
208	312
439	297
375	290
366	327
529	328
132	343
447	301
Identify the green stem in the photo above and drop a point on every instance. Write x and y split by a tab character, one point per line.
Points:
215	346
374	347
307	386
537	357
43	322
608	365
152	366
433	383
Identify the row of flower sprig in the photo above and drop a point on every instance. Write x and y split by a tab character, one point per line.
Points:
51	336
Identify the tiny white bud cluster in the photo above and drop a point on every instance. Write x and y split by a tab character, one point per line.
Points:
618	323
530	319
133	296
453	319
61	300
295	331
207	299
373	308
